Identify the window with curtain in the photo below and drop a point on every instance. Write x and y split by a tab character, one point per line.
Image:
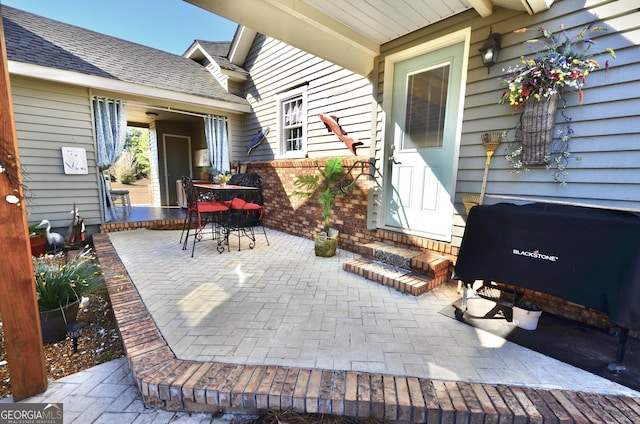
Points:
292	122
216	134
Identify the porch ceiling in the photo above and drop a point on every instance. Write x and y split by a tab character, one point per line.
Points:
138	114
350	33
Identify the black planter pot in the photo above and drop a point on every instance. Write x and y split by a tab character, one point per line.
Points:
53	324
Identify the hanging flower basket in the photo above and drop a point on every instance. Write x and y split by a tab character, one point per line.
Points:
538	122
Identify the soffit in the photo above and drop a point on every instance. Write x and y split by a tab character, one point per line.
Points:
350	33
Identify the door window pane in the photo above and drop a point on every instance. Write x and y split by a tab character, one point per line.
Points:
426	106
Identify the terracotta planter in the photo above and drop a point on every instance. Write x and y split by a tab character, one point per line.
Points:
538	123
53	324
38	245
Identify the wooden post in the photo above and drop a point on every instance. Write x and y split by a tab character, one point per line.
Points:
18	302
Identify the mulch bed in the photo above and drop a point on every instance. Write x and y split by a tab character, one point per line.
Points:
100	342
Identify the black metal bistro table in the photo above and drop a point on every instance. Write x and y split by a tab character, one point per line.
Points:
588	256
228	191
243	214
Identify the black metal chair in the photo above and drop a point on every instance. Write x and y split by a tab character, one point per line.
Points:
243	217
203	212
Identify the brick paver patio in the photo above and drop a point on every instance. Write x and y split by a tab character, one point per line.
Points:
248	330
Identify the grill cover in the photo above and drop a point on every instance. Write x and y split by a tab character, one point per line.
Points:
585	255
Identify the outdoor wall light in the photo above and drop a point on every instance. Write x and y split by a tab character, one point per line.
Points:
74	331
490	50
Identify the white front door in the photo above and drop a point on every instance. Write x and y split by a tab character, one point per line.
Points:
423	145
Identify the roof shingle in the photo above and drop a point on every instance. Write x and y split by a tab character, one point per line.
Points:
42	41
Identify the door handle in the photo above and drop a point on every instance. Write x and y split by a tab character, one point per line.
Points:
392	158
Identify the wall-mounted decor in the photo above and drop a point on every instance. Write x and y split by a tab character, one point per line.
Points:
538	122
74	160
561	63
332	125
257	139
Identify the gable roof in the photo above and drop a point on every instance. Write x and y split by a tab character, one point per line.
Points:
219	52
216	48
36	40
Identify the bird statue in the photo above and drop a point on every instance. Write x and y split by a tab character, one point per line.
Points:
55	240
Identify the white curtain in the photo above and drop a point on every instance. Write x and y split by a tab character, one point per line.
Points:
110	118
215	129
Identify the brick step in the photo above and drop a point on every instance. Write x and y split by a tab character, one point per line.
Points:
406	269
400	279
406	258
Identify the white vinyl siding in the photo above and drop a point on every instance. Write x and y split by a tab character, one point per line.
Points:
48	117
277	68
605	153
237	151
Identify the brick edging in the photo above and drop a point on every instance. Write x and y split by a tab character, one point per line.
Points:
181	385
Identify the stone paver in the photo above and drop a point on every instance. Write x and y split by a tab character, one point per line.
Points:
281	305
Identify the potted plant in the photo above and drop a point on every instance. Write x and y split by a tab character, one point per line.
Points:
534	86
60	284
526	314
37	239
326	184
223	179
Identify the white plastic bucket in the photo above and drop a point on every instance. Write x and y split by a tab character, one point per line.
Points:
526	319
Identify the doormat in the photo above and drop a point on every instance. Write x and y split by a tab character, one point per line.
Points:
583	346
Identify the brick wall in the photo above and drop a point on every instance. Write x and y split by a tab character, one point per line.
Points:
303	217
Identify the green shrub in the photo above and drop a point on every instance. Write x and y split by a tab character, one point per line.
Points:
127	178
125	169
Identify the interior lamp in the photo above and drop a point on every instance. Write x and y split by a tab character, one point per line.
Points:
490	50
201	158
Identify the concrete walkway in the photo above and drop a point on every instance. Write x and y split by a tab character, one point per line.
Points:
107	394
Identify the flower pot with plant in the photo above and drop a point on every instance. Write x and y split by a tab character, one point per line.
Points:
535	85
37	239
223	179
60	284
326	183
